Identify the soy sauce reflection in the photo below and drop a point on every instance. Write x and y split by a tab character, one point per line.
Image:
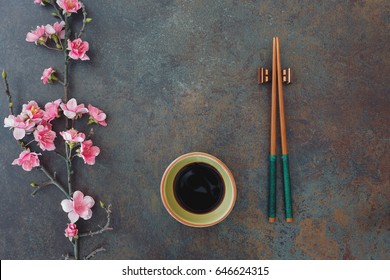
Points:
199	188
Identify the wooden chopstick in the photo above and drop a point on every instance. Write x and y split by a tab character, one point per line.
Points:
286	171
272	174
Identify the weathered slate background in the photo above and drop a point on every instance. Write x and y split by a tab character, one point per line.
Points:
180	76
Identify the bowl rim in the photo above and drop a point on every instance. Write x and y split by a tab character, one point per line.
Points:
163	186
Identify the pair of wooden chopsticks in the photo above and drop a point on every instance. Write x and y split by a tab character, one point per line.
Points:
277	87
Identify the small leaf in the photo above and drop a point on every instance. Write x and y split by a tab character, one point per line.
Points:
88	20
10	105
91	121
33	184
4	74
102	204
54	14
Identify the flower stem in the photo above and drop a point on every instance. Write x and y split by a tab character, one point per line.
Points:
52	2
50	48
82	30
69	169
94	252
8	93
66	58
53	181
76	249
68	150
102	229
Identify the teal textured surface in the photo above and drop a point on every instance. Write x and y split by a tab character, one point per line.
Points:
272	187
287	187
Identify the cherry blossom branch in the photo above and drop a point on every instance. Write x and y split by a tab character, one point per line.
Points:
52	2
82	30
23	145
102	229
50	48
53	180
66	57
38	187
76	248
69	168
8	93
94	252
60	155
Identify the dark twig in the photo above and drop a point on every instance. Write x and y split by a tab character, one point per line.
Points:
8	93
50	48
37	189
102	229
94	252
82	30
60	155
76	248
53	180
52	2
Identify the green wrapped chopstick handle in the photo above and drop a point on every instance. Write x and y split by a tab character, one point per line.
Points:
287	188
272	189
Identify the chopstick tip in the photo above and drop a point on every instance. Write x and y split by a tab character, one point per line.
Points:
271	220
289	220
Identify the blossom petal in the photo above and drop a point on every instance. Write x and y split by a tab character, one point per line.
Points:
31	37
78	198
73	217
9	122
87	215
27	166
19	133
72	104
69	114
88	201
67	205
73	56
84	57
49	29
101	117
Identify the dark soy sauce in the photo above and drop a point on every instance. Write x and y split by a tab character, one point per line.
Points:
199	188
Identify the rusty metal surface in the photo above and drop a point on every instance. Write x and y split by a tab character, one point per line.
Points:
180	76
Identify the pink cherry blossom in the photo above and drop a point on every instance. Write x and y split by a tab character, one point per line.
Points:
71	231
51	110
69	6
37	35
96	115
78	49
88	152
20	125
56	29
72	136
32	111
39	2
27	160
45	137
72	110
48	75
79	206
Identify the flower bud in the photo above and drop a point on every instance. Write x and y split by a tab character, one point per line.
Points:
41	41
88	20
33	184
4	74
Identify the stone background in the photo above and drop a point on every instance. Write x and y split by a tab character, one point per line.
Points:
180	76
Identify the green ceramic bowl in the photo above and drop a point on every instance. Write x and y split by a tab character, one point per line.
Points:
189	218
